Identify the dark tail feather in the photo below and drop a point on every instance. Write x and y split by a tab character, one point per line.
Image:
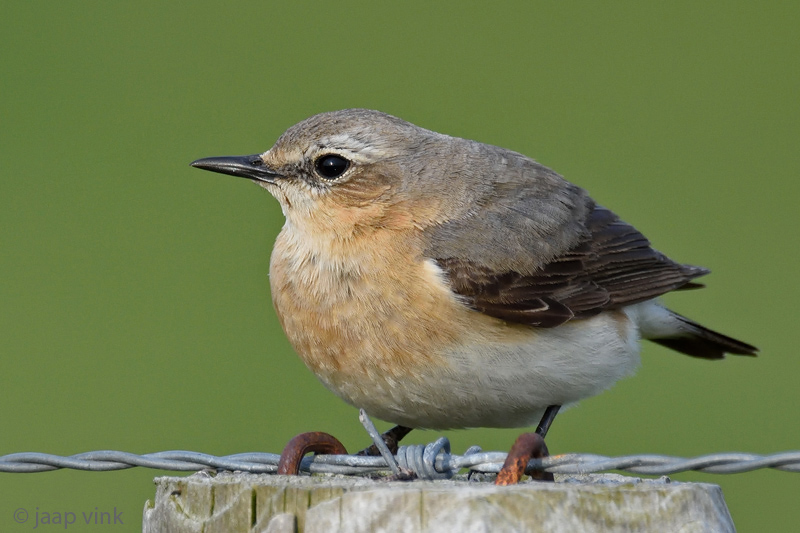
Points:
699	341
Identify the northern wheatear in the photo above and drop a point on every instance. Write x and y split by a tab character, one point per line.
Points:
438	282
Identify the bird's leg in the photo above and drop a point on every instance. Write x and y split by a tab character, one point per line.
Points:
547	419
391	437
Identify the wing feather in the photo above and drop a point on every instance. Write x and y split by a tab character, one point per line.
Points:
611	266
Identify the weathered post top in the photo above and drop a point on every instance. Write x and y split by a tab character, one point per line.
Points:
231	503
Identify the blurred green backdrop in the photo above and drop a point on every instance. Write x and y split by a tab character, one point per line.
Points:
134	300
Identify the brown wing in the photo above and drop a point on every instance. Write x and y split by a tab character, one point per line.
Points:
611	267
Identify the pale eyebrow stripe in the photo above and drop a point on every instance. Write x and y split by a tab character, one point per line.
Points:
344	143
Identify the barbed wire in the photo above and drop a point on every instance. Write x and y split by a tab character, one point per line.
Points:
437	462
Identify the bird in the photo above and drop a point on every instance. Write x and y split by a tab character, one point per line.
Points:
441	283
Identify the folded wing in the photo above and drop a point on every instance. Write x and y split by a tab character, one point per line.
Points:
612	265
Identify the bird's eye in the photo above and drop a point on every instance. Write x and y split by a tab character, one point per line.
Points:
332	166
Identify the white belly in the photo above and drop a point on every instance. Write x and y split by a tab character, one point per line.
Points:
509	384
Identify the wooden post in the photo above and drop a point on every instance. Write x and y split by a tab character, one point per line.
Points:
230	503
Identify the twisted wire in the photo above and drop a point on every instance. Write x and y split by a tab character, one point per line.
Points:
431	461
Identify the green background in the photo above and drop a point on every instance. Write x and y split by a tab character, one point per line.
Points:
134	299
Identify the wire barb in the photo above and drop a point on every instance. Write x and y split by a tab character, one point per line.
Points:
377	439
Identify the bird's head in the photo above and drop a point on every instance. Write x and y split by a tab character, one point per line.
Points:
355	169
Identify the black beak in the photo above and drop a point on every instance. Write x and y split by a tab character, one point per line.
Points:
251	167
